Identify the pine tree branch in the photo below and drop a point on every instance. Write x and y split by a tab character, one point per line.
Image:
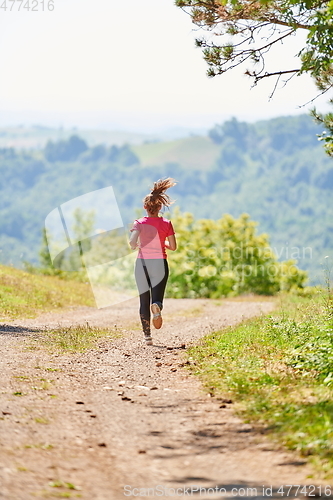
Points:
258	77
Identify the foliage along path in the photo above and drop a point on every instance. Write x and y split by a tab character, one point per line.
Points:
87	425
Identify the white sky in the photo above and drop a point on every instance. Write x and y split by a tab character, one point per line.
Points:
125	65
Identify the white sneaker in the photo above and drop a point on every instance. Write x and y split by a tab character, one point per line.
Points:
148	340
157	317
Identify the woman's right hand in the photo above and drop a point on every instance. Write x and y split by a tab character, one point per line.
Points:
133	242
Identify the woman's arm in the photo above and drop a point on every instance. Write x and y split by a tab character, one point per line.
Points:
133	241
171	242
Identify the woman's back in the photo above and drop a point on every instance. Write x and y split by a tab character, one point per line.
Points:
153	232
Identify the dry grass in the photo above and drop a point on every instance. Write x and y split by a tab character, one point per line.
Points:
75	338
24	295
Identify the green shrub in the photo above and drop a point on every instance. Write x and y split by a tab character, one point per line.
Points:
226	257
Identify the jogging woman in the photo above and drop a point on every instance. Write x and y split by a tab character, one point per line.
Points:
153	234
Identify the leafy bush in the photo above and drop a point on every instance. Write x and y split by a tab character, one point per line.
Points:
226	257
313	352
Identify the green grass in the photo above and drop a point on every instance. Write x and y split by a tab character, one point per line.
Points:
279	369
62	484
41	446
58	494
41	420
26	295
75	338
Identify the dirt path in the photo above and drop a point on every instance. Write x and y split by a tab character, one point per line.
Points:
127	415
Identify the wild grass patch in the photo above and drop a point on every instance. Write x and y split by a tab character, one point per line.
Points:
41	420
40	446
25	295
74	338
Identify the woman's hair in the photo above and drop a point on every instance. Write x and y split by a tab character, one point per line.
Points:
157	197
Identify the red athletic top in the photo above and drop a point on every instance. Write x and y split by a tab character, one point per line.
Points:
153	233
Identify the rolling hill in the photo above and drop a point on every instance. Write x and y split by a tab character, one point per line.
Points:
275	170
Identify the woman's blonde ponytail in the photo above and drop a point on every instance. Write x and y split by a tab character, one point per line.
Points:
157	197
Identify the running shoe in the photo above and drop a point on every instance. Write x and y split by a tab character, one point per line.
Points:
157	317
149	340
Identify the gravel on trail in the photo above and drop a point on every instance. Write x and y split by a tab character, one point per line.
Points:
129	420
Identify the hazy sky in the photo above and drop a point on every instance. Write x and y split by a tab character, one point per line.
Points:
127	65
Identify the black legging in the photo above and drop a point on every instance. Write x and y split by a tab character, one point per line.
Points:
151	277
